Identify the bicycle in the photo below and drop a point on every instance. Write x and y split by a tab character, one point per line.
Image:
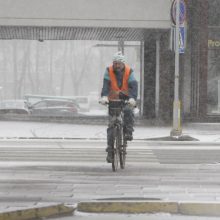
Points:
119	141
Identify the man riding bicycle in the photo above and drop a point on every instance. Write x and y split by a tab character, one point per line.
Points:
120	83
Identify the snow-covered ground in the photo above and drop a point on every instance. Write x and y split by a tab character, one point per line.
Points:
52	130
10	129
95	112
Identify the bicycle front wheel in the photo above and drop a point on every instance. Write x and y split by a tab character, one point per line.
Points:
122	153
115	152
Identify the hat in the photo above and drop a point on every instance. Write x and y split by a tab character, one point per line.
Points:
119	57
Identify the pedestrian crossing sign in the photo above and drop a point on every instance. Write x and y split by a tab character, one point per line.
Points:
182	39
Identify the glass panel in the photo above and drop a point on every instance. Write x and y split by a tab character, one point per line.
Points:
214	58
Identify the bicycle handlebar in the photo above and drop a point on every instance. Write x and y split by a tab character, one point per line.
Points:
117	100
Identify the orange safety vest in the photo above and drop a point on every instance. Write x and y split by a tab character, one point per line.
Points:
114	89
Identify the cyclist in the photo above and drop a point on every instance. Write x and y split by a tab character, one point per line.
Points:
119	82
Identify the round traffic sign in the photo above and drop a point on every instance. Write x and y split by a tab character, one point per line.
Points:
182	16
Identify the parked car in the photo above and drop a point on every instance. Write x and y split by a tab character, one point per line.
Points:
83	102
53	107
14	107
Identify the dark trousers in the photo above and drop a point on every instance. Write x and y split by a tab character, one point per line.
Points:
128	124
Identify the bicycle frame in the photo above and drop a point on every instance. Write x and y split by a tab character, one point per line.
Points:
117	124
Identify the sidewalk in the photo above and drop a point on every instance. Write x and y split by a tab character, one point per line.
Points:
204	132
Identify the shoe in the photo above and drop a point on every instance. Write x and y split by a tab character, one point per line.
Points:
108	149
109	157
129	137
128	131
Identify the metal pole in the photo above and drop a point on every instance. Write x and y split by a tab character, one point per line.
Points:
142	77
121	46
176	131
157	77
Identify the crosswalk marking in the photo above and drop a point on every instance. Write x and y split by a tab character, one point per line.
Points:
71	155
94	152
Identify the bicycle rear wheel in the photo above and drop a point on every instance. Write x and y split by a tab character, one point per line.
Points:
115	152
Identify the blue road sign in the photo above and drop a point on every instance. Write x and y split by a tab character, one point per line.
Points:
182	16
182	39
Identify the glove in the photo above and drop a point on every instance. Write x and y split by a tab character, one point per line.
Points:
132	102
104	100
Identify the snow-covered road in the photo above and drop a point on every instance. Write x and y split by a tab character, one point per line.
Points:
15	129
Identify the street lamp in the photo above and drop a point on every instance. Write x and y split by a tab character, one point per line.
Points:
176	130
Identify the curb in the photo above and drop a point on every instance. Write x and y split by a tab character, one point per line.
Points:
170	138
156	139
137	207
182	208
36	213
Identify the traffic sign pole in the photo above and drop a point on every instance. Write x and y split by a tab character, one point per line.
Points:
177	130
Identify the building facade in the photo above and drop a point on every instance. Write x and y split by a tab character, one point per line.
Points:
146	21
199	67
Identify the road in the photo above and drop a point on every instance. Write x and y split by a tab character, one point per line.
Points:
34	172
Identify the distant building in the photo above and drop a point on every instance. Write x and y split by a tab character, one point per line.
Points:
148	22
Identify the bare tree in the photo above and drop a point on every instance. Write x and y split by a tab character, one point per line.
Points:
51	90
25	59
77	71
4	69
30	70
63	74
15	69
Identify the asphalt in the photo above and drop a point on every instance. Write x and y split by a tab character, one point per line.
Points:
195	132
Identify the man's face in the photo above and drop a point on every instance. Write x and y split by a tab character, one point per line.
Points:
118	66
